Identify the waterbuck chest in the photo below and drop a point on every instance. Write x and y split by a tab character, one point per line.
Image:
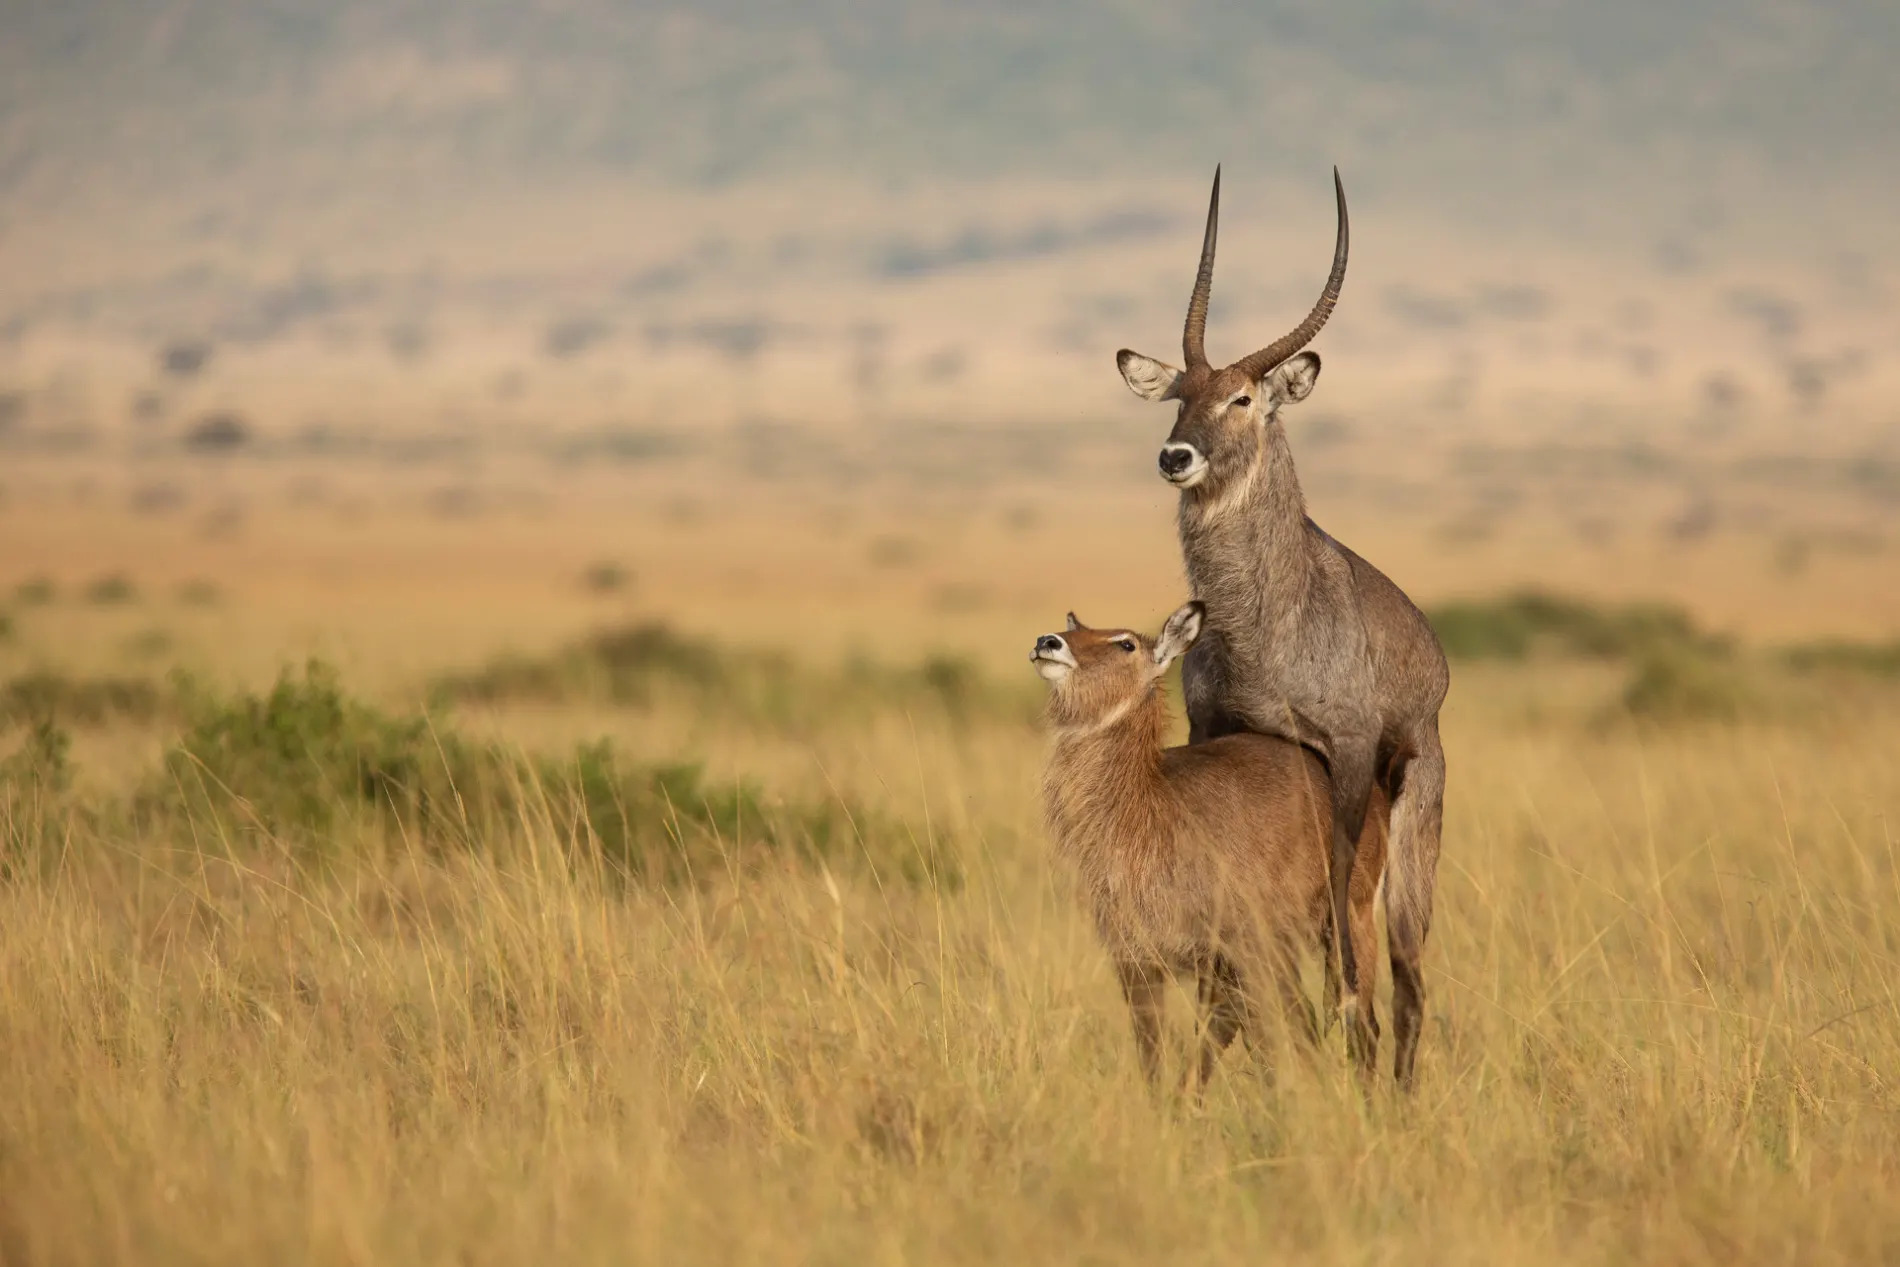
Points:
1282	654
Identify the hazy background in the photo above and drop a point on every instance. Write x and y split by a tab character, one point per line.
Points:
833	290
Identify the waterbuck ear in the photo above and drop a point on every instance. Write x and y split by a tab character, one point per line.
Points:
1074	624
1292	380
1146	377
1180	633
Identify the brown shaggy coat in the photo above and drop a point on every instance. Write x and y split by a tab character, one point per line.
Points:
1210	860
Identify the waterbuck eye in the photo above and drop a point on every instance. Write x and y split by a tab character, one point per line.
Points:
1243	401
1126	644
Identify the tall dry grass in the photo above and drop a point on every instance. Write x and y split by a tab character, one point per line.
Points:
1664	1025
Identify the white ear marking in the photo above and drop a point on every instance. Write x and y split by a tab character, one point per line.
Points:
1293	379
1146	377
1180	633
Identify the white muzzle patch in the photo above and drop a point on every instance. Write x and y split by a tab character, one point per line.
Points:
1182	465
1052	658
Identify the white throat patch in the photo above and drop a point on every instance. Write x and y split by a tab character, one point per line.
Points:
1235	493
1107	721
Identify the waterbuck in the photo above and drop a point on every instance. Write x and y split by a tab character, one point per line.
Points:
1209	859
1305	639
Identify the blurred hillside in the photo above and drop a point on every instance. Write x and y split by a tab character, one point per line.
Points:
1462	100
1620	272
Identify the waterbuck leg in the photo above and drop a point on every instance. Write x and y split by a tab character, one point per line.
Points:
1352	771
1365	926
1329	996
1367	867
1223	1014
1143	986
1418	812
1203	691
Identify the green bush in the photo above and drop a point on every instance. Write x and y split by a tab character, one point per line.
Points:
34	806
1875	659
669	823
198	593
309	765
1517	625
42	695
1482	631
111	590
619	664
42	763
606	577
297	759
1671	685
629	665
653	650
955	682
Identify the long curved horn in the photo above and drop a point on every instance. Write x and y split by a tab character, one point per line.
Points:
1259	363
1194	336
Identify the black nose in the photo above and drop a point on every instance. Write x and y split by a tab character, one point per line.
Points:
1048	642
1175	460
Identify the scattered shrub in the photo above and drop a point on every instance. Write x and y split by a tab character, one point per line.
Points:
148	406
1517	625
954	681
509	677
218	433
571	336
1876	659
309	765
34	808
1481	631
627	665
667	823
35	592
149	644
43	695
407	340
41	765
198	593
620	444
110	590
654	649
158	497
1671	685
184	358
893	551
606	577
291	761
620	664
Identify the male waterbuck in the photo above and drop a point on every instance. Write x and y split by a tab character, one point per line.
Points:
1209	859
1305	639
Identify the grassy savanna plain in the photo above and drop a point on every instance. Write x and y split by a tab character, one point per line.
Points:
666	426
635	881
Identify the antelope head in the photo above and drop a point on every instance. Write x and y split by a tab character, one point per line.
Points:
1099	675
1223	411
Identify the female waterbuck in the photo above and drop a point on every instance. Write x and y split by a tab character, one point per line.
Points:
1306	640
1209	859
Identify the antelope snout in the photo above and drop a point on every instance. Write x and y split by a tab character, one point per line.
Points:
1052	657
1181	463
